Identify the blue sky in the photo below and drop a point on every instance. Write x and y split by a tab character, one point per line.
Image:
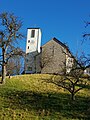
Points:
63	19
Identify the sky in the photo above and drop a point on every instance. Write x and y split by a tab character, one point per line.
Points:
63	19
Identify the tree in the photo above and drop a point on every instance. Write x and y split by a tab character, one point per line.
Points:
46	58
9	36
10	67
86	57
72	81
87	23
15	65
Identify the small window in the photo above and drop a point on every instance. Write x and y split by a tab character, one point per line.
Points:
32	33
30	68
26	60
28	41
28	47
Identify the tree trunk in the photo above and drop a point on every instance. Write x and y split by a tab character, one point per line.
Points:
72	96
3	66
73	93
3	73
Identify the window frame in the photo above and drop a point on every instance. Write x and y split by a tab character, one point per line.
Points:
30	68
32	33
28	41
28	47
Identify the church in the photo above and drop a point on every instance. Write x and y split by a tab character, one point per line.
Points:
51	58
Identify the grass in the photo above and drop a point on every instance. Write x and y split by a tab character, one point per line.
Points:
27	97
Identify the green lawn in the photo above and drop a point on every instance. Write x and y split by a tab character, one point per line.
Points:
27	97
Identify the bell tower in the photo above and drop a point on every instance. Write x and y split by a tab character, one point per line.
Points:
33	45
33	40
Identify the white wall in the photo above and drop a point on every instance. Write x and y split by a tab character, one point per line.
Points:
34	48
69	62
35	42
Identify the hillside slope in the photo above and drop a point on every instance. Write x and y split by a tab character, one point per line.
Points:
28	97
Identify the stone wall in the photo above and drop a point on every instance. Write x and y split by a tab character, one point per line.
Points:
53	57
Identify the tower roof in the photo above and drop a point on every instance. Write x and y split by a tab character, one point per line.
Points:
34	28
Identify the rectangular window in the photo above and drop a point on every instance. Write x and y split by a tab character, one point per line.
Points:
28	47
28	41
32	33
30	68
26	60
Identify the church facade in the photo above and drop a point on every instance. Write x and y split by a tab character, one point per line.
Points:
53	57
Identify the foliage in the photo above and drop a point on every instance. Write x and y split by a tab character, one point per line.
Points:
27	97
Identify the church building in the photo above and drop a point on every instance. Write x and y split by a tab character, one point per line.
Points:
53	57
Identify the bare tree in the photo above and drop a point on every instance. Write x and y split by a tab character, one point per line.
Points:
10	67
15	65
86	36
9	36
72	81
18	65
46	58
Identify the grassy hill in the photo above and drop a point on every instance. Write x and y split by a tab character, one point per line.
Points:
28	97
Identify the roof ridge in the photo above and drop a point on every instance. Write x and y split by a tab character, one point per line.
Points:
58	41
